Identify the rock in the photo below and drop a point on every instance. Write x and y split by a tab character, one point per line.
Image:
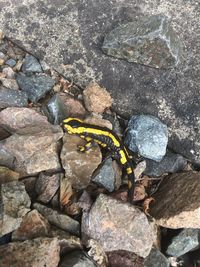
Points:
7	175
62	221
11	62
79	166
96	98
118	226
6	159
3	134
97	120
76	259
29	184
10	74
185	241
9	98
15	203
9	83
151	41
171	163
1	36
46	186
58	111
177	201
39	252
124	258
156	259
2	62
107	174
148	136
96	252
35	86
5	239
33	225
2	55
31	64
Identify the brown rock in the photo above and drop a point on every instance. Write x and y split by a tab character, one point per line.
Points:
6	159
38	252
46	186
118	226
124	258
1	61
14	203
62	221
33	225
79	166
7	175
177	201
96	98
98	121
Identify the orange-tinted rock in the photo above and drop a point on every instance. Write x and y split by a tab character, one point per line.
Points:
177	201
38	252
96	98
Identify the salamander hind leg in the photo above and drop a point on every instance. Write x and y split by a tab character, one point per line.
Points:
86	147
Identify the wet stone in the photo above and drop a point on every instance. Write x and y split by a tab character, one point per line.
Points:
185	241
156	259
31	65
33	225
151	41
76	259
107	174
118	226
46	186
38	252
15	203
35	86
171	163
11	62
12	98
177	201
62	221
148	136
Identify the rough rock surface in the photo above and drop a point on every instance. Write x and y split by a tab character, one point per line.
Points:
31	64
79	166
7	175
62	221
39	252
12	98
151	42
156	259
15	203
124	258
118	226
73	46
177	201
76	259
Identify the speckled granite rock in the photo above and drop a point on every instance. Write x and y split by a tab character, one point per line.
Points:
73	46
12	98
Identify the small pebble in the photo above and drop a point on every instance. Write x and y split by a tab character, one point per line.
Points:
31	64
10	74
11	62
9	83
1	61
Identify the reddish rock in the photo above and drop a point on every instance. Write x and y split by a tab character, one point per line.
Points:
38	252
96	98
7	175
177	201
118	226
33	225
46	186
79	166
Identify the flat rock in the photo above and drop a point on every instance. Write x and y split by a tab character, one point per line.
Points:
62	221
151	42
12	98
39	252
33	225
72	45
76	259
177	201
31	65
15	203
79	166
118	226
35	86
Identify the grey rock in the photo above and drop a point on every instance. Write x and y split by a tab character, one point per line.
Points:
118	226
31	64
12	98
72	44
58	111
148	136
6	158
35	86
171	163
156	259
185	241
2	55
105	175
76	259
151	41
15	203
11	62
63	221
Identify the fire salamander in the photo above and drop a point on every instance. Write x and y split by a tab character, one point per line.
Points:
105	138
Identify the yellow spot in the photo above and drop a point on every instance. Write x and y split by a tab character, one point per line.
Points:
123	159
129	184
129	170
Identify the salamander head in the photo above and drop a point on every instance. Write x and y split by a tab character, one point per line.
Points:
72	125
